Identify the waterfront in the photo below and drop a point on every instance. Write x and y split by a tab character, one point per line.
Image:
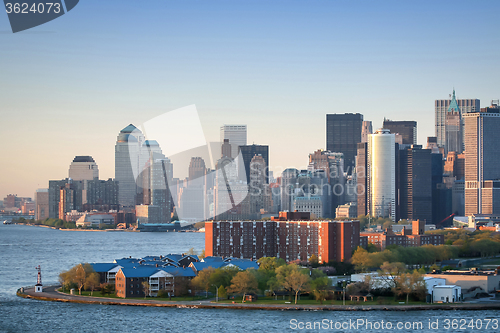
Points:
24	247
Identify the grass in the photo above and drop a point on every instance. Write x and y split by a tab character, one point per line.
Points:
98	294
307	301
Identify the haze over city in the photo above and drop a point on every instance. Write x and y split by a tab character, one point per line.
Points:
278	68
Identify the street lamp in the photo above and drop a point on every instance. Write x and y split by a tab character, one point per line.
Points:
216	293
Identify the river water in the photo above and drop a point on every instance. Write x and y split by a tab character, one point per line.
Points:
22	248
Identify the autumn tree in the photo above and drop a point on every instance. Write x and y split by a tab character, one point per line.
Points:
297	282
203	280
92	282
77	275
146	288
390	271
243	283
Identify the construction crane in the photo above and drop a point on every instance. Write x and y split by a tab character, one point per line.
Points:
445	219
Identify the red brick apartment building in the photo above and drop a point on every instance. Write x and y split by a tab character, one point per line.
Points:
407	238
290	240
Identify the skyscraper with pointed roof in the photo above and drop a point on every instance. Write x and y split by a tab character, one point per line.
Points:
127	164
442	108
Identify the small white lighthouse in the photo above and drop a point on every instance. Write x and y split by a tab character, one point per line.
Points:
38	285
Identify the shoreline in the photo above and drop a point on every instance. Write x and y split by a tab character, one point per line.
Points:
52	295
95	230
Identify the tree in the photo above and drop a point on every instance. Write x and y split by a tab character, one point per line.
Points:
320	287
243	283
146	288
223	276
297	282
313	260
92	282
192	251
79	274
222	293
361	259
202	254
203	280
389	272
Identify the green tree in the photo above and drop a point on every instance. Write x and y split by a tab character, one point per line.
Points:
320	287
243	283
222	292
390	271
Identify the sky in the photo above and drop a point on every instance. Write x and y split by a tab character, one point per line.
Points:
69	86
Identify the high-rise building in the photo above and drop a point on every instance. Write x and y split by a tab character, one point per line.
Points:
482	157
248	153
83	168
289	240
237	136
288	181
259	196
226	149
415	184
442	107
382	174
127	164
367	129
407	130
343	133
42	204
362	188
197	168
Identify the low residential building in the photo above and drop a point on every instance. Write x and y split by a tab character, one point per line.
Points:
446	294
486	280
95	220
106	271
407	237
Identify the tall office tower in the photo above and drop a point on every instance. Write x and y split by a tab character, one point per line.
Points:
407	129
453	128
191	200
237	136
197	168
288	182
367	129
415	184
42	204
258	195
226	149
482	157
127	164
442	107
332	166
343	133
382	174
161	177
150	151
248	152
83	168
362	188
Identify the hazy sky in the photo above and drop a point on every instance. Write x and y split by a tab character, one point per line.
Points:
68	87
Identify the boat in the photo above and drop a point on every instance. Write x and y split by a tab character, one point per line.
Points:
7	222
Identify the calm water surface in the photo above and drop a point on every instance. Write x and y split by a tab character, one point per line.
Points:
22	248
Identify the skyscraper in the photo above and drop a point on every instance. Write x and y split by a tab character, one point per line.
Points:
237	136
127	164
415	184
442	106
343	133
248	153
83	168
362	188
382	174
407	129
482	158
367	129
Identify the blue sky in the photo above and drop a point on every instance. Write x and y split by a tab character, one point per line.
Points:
67	87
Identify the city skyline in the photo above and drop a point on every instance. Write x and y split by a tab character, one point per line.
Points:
65	92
